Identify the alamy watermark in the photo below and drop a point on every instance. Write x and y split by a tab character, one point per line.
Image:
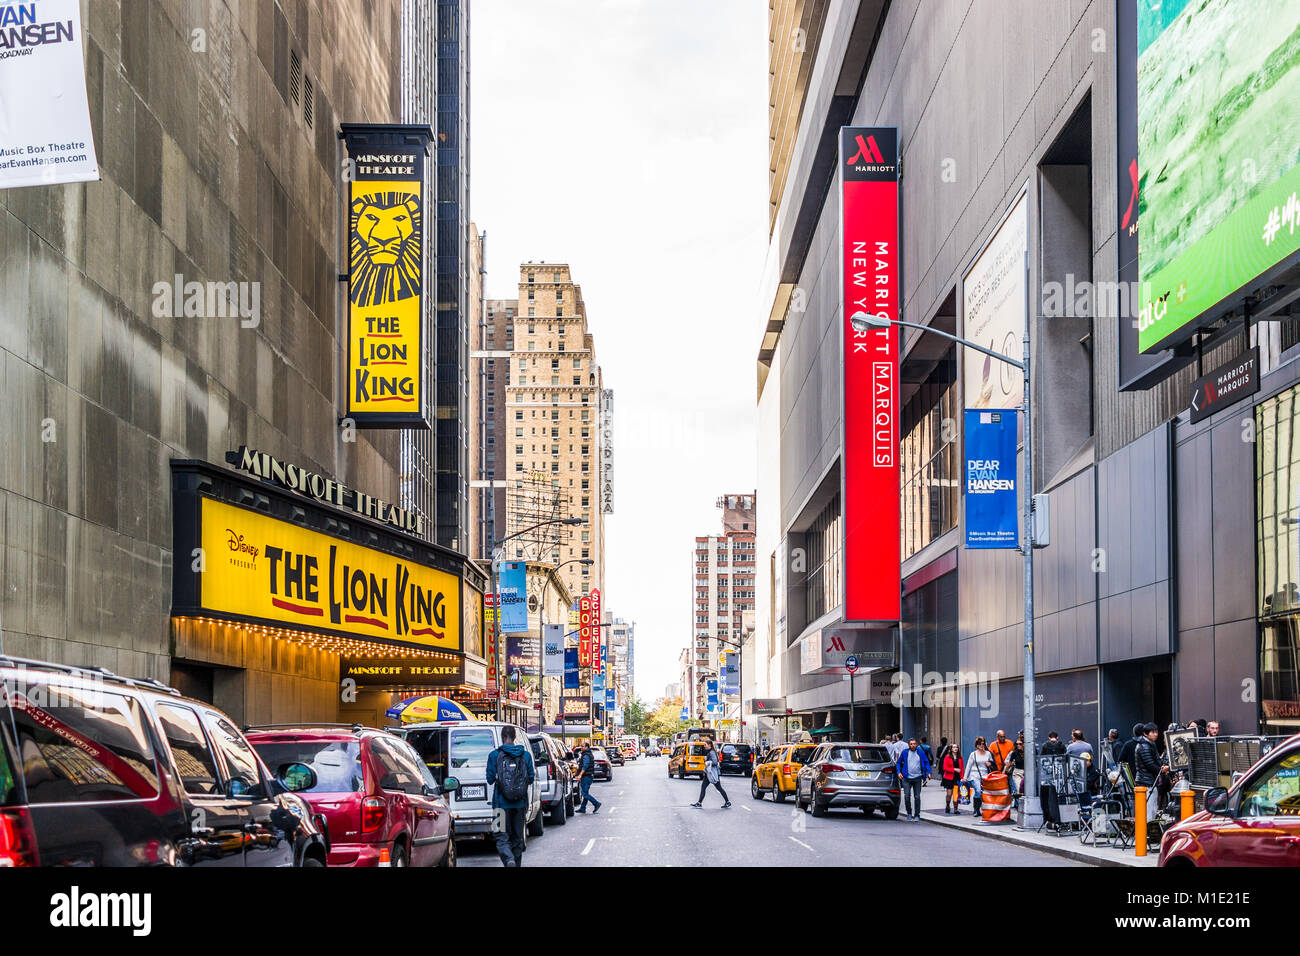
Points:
977	689
203	300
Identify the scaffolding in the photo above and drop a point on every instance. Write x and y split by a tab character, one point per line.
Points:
535	500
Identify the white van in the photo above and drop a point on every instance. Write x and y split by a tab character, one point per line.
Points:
460	748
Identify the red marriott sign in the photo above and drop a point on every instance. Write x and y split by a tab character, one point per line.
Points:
869	227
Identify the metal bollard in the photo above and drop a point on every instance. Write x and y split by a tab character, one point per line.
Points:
1140	821
1188	804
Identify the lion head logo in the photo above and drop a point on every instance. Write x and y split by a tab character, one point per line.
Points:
385	248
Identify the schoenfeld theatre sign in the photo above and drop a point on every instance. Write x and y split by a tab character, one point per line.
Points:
249	551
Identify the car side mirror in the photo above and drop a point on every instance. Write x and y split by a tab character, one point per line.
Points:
296	777
450	784
1216	800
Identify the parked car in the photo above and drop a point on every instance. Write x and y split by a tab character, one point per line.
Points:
373	791
555	778
687	761
848	775
102	770
460	749
776	772
736	758
1255	822
654	752
603	769
616	756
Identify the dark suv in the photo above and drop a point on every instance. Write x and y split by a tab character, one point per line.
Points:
735	758
101	770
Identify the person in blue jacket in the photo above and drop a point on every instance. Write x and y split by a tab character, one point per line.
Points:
913	767
511	812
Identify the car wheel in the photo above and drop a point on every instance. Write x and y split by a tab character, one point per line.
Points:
753	789
798	795
537	825
818	808
449	857
312	861
558	817
399	855
570	805
777	793
891	813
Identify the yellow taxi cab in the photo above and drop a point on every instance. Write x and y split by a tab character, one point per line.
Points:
687	761
774	773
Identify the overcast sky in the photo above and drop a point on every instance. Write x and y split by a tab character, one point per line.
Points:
628	138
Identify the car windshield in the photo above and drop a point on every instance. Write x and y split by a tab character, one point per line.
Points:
859	755
470	748
801	754
697	750
599	754
736	750
337	762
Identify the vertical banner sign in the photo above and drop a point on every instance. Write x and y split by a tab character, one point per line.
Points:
609	700
607	451
44	117
571	681
387	259
512	592
493	632
869	229
584	632
553	651
731	673
992	520
596	629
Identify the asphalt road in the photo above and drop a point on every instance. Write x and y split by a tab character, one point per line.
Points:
646	819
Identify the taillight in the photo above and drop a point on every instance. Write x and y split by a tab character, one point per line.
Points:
785	769
832	768
17	839
372	814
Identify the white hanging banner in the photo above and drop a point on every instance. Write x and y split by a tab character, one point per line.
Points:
45	126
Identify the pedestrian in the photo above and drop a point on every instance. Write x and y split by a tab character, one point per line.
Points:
952	773
1015	766
586	768
1203	728
1078	745
1110	749
1001	749
1092	775
510	774
1212	728
913	767
1125	755
712	775
978	766
929	756
1147	766
1053	747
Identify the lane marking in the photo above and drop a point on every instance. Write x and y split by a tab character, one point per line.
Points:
745	808
592	842
800	842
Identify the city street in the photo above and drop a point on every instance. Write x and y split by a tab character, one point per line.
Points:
646	819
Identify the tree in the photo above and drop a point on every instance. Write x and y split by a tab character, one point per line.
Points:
634	718
667	719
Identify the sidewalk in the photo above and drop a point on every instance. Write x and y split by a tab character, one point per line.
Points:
1067	846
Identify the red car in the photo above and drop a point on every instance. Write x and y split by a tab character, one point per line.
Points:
1255	822
372	791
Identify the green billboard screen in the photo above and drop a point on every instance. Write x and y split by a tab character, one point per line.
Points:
1219	151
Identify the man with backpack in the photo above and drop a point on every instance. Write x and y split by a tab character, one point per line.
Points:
510	773
587	767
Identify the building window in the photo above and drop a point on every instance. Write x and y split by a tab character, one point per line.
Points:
823	588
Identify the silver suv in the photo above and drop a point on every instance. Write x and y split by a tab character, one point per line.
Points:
459	748
848	775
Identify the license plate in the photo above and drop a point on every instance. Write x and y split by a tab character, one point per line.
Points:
864	773
473	793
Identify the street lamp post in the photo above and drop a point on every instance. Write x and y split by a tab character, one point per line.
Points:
496	595
1031	813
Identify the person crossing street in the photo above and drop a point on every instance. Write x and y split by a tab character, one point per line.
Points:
510	773
712	775
586	767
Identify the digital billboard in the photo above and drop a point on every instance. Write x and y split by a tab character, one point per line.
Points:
1218	172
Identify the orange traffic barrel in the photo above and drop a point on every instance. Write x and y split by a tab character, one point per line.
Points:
995	802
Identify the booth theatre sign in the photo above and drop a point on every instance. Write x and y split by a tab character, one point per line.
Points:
313	485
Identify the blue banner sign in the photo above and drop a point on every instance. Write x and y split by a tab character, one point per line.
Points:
512	589
991	516
571	681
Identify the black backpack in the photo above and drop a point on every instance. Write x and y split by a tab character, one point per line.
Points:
512	776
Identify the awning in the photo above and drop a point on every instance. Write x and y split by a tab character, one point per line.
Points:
825	730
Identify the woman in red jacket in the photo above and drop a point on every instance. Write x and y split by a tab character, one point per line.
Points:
952	774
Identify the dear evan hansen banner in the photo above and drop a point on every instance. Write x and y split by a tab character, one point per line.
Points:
44	120
387	257
991	517
868	164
